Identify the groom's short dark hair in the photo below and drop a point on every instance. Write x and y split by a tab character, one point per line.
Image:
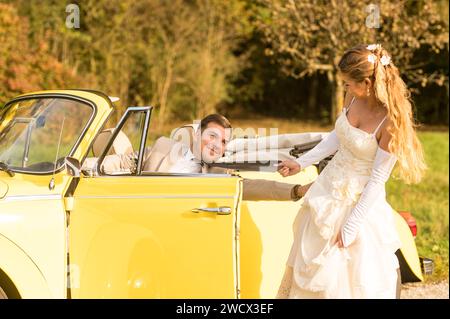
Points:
214	118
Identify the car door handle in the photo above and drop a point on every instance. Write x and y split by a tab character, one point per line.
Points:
222	210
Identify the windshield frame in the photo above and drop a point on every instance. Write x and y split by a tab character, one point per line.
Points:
54	95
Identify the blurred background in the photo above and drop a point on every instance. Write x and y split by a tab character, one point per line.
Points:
262	63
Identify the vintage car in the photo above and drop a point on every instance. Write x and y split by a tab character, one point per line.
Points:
71	232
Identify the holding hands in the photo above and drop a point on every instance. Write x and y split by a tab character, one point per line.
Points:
288	168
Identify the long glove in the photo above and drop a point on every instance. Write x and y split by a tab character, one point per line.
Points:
373	191
328	146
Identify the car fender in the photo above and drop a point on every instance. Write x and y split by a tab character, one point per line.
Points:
407	254
22	271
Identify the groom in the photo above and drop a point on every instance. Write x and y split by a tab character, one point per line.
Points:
210	140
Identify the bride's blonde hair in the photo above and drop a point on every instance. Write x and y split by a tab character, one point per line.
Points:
374	62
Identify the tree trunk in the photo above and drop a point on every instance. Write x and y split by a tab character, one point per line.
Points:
165	91
312	98
447	92
337	96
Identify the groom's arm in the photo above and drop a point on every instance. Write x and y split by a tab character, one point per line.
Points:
262	189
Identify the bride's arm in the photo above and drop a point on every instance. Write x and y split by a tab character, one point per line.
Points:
328	146
325	148
375	190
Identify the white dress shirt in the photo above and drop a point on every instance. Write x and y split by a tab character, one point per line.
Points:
187	164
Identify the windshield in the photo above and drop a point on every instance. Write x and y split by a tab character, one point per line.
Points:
36	134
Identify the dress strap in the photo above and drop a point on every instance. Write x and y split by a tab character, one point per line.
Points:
376	130
348	107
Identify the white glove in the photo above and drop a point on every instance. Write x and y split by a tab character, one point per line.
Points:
374	190
328	146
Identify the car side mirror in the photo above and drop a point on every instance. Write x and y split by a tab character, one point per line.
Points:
73	166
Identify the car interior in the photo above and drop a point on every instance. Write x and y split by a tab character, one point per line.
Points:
242	154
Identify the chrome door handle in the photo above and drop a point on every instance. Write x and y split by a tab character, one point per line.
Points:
222	210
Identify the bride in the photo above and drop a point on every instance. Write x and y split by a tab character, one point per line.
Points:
344	234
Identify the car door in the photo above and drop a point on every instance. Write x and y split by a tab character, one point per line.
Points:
154	236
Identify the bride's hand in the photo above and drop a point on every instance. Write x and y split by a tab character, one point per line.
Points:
339	241
288	168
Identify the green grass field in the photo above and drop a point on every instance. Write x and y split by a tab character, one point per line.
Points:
428	202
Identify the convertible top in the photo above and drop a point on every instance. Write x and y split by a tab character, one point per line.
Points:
271	149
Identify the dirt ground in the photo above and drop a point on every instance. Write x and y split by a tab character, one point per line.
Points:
420	290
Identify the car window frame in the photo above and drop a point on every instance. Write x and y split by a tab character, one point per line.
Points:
144	133
139	173
80	137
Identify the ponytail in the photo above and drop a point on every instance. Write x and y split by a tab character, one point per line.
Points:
392	92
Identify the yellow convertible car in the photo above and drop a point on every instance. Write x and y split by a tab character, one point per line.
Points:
69	232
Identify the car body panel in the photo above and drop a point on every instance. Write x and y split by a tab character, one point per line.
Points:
24	273
37	226
266	236
136	237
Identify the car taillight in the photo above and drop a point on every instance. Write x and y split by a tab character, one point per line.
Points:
411	221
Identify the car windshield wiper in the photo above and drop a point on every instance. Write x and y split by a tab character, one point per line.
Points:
5	167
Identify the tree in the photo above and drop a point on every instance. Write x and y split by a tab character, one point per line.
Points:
190	53
222	26
166	39
307	37
25	67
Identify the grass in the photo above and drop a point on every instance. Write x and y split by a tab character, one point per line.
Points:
428	202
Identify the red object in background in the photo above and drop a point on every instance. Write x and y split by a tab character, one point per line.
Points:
411	221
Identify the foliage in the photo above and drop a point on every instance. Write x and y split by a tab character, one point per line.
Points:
193	57
310	36
23	67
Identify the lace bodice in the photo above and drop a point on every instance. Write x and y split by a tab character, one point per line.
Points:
361	144
357	148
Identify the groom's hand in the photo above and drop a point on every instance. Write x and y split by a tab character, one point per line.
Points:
288	168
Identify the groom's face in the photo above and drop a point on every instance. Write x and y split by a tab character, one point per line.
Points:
213	141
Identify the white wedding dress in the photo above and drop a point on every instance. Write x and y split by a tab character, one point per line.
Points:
367	265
